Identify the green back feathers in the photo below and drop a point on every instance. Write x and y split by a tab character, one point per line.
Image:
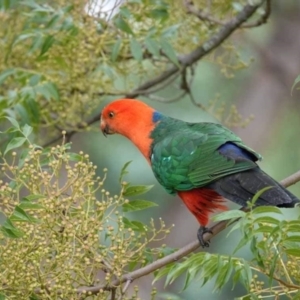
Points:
184	155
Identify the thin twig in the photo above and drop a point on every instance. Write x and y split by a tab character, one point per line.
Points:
106	266
215	229
186	86
288	285
263	19
205	16
113	294
200	14
167	100
160	85
294	178
68	136
125	288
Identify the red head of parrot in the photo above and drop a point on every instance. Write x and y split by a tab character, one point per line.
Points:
132	119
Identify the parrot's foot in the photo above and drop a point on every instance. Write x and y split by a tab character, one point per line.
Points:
201	231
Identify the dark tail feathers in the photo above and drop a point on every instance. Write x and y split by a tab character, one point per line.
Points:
242	186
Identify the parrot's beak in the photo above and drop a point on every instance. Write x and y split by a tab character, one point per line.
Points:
104	133
105	128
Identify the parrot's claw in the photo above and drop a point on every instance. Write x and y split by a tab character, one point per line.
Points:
201	231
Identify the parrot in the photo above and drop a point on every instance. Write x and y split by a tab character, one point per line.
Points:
203	163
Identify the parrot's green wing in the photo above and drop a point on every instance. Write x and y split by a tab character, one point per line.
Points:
185	155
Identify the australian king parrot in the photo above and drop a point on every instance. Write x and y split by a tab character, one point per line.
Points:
202	163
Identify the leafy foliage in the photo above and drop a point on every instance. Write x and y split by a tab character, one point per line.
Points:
58	60
271	271
60	234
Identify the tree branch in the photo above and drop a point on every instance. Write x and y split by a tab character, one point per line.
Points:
203	16
215	229
263	19
294	178
186	60
218	38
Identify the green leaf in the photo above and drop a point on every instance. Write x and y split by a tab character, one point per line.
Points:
170	31
188	280
259	193
136	50
6	74
243	241
266	209
53	21
115	50
23	156
22	113
37	42
125	12
138	226
272	268
124	171
152	46
9	230
135	205
123	25
32	109
23	37
210	270
14	122
224	274
267	219
246	274
236	226
227	215
169	52
48	90
162	273
29	205
26	203
236	277
15	143
297	80
294	227
176	271
148	256
255	250
293	238
134	225
75	157
34	297
26	130
20	215
35	79
293	252
159	13
4	5
165	250
2	297
48	42
264	229
135	190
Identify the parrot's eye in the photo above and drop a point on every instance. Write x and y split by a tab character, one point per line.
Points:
111	114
